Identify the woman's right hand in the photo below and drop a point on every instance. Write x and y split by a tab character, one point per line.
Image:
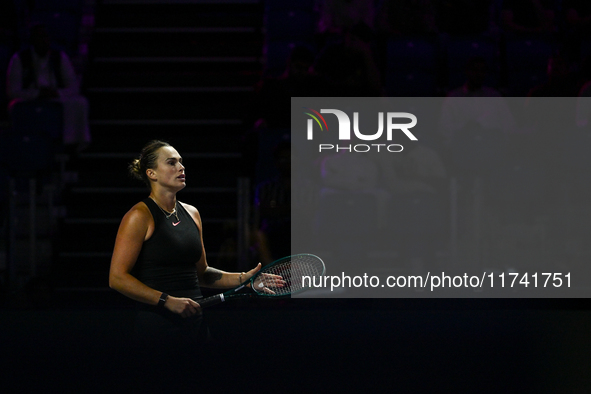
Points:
185	307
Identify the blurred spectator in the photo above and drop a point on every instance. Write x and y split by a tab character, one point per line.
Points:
43	73
561	81
407	17
476	73
527	16
273	209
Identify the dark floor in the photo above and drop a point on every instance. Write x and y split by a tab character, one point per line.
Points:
471	346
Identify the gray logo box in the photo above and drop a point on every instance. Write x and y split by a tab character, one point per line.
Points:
492	198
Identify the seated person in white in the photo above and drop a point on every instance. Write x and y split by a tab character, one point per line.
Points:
42	73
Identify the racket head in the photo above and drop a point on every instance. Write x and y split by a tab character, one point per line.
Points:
291	269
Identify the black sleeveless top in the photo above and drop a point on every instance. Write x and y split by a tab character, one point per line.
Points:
168	260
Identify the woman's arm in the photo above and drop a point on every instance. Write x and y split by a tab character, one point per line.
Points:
128	244
71	87
213	277
14	79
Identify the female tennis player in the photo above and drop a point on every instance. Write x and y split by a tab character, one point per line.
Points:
159	259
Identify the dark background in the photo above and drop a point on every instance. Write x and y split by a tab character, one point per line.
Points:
223	106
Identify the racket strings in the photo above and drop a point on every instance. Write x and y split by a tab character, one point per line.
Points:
292	272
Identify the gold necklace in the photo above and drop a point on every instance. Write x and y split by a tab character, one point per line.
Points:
168	214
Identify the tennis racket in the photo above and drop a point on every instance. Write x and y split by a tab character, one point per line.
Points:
281	278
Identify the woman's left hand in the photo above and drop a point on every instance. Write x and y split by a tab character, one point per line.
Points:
265	281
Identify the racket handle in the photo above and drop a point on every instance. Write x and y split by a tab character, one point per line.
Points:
208	301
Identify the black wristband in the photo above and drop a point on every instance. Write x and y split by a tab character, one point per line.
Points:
162	299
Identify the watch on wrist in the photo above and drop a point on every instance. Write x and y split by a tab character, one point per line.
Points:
162	299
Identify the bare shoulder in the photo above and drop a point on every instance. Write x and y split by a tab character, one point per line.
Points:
138	217
135	228
139	211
